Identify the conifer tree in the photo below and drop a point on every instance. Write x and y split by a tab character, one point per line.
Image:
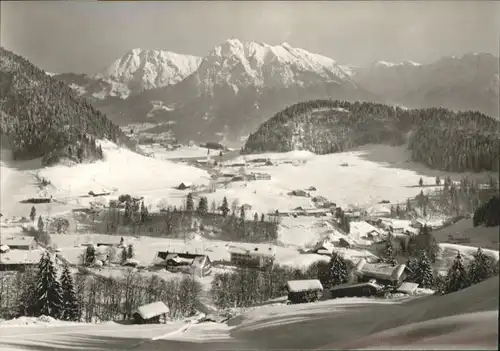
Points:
424	274
421	182
481	267
40	225
213	207
33	214
388	255
338	270
130	251
124	255
48	291
262	218
189	202
202	206
412	265
89	255
438	181
127	214
144	212
225	207
71	311
456	278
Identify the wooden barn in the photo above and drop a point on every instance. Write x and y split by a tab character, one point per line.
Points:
152	313
255	258
302	291
364	289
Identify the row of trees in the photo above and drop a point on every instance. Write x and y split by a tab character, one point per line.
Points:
91	298
90	255
232	222
459	276
452	199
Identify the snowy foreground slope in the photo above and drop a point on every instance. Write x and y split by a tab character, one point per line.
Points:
467	319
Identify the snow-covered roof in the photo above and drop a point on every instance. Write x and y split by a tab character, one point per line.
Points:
408	288
270	252
22	256
380	270
152	310
347	286
17	240
4	248
304	285
363	228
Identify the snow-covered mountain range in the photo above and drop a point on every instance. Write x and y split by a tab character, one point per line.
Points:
238	85
136	71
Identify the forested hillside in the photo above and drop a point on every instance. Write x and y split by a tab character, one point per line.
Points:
440	138
42	117
488	214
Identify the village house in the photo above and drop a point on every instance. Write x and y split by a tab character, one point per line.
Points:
19	242
302	291
384	274
197	264
365	229
152	313
20	260
253	258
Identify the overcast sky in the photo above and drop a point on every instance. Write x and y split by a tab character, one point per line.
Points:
87	36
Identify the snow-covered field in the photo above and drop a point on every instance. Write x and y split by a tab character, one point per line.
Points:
366	181
467	319
122	172
373	174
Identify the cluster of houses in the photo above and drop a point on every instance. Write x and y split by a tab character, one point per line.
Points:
19	253
367	279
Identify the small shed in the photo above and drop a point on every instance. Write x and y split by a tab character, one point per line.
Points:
346	242
301	291
4	248
407	288
152	313
184	186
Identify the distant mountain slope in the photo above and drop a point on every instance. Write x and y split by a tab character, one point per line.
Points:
43	117
136	71
236	86
470	82
440	138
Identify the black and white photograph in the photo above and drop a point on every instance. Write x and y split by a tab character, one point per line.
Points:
249	175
